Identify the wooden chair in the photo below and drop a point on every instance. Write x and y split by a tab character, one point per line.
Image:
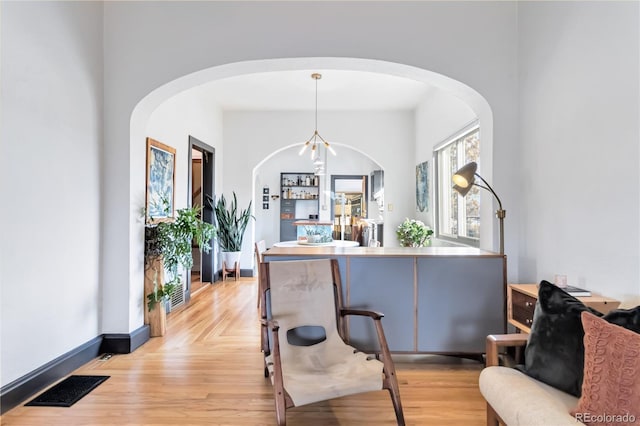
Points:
307	359
260	248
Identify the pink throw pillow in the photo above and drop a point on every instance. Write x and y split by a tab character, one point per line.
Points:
611	386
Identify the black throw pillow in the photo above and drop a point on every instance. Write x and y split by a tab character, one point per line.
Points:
627	318
555	350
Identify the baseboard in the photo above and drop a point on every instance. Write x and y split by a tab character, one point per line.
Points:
243	273
19	390
124	343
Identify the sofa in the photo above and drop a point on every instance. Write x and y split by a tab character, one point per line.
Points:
513	398
580	367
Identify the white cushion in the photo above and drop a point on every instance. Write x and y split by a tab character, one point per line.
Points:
520	400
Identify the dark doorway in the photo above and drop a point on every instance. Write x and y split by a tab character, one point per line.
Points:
349	207
201	183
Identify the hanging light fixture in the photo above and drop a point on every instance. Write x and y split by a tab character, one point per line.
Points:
316	140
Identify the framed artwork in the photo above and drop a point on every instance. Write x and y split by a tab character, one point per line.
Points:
265	206
161	175
422	187
265	198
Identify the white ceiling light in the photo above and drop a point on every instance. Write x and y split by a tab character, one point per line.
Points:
315	141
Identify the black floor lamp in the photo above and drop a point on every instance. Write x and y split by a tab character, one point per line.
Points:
464	179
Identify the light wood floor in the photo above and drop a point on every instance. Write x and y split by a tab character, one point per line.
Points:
196	284
208	370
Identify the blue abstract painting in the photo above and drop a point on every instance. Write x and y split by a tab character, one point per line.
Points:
160	180
422	187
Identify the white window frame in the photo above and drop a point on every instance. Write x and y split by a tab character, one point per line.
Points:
444	189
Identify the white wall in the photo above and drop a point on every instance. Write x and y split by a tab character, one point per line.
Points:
188	114
251	137
438	117
580	132
51	133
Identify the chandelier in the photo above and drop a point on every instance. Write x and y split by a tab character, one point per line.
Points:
315	141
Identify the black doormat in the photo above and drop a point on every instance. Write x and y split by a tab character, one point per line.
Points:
67	392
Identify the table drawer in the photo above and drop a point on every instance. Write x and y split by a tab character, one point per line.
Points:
523	307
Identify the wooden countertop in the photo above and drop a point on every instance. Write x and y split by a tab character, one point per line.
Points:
381	251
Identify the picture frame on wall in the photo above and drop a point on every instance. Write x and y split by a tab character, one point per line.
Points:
161	176
422	187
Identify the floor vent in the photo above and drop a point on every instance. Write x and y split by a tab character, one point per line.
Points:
177	298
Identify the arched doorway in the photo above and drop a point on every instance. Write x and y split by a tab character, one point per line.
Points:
258	152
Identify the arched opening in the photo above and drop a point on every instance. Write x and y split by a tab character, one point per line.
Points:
266	176
242	156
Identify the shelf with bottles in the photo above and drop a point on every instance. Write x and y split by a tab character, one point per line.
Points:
299	186
300	193
295	180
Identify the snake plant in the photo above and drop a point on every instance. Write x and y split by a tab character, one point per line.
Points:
232	222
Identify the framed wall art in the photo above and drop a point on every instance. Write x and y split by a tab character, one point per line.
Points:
161	175
422	187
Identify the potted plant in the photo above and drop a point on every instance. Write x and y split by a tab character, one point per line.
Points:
413	233
232	223
167	248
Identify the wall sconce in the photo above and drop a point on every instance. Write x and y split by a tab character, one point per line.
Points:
464	179
275	197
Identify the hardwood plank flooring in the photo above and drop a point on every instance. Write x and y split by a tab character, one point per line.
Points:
208	370
196	284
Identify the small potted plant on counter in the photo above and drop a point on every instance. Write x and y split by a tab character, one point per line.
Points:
413	233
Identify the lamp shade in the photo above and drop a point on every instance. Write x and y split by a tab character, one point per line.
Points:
465	176
462	191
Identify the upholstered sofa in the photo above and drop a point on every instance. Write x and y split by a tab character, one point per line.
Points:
514	398
580	367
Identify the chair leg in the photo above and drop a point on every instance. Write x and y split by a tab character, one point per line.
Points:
281	409
492	417
258	303
397	406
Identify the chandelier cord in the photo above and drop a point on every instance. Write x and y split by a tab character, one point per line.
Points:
316	106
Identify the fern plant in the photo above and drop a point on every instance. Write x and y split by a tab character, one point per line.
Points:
231	222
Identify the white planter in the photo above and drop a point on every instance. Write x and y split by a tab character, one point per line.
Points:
230	258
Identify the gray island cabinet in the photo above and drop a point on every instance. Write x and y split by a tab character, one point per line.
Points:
434	299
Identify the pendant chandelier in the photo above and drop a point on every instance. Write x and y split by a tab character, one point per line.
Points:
315	141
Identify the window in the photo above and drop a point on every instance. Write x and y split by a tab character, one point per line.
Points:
458	218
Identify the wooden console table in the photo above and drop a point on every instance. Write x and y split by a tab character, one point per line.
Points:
521	302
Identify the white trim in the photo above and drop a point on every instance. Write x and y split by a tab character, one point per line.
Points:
467	128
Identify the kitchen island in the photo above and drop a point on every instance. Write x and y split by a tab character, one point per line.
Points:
435	299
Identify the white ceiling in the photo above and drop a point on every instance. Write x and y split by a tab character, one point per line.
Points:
295	90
